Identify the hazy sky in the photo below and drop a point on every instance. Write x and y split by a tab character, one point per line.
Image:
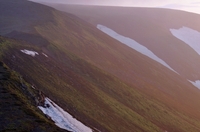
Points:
126	2
186	5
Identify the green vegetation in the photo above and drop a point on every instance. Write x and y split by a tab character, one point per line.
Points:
4	46
18	111
87	91
86	75
78	39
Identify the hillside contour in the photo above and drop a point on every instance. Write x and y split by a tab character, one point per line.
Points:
102	83
18	111
152	28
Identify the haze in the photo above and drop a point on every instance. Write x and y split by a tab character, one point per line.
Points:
186	5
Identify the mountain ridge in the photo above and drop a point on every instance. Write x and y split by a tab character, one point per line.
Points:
81	72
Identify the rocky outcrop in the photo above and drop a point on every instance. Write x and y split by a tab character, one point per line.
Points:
40	99
3	72
17	109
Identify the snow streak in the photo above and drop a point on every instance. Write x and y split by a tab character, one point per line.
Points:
133	44
28	52
196	83
61	118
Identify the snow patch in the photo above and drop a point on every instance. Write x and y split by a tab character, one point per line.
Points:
97	130
133	44
196	83
45	55
61	118
29	52
189	36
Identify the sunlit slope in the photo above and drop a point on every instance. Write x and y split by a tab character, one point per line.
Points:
151	28
130	66
101	82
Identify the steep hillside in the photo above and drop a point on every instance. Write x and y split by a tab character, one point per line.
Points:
18	110
91	95
104	84
125	63
149	27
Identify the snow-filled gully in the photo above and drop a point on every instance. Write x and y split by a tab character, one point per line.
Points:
133	44
190	37
61	118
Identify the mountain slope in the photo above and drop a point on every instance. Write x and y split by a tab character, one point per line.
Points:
129	67
149	27
103	98
17	108
79	68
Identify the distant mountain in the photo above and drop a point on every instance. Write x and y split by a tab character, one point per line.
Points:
109	83
193	7
92	2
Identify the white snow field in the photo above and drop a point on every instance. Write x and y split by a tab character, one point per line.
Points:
133	44
196	83
192	38
63	119
28	52
189	36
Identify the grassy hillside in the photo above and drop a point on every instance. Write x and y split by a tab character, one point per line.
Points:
149	27
91	95
81	74
18	111
130	66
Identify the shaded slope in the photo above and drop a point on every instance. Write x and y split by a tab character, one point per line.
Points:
17	109
80	73
13	17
